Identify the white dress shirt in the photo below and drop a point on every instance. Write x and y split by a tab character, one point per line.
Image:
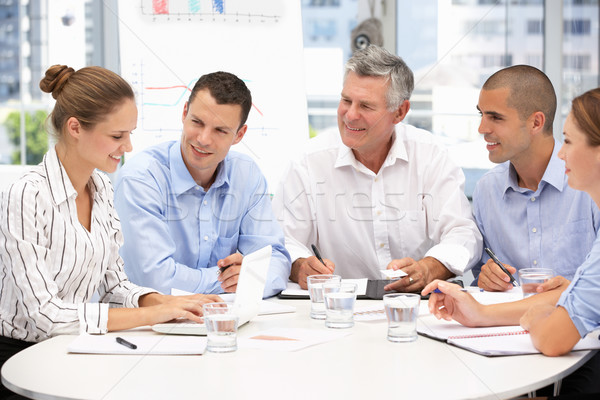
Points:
413	207
51	265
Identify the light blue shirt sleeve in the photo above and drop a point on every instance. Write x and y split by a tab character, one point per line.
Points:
175	231
580	299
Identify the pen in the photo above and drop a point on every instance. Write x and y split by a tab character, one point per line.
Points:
471	289
493	257
317	254
125	343
222	269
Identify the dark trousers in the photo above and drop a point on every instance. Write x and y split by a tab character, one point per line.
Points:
582	384
8	348
585	380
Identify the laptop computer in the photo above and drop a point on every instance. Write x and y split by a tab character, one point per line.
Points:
249	293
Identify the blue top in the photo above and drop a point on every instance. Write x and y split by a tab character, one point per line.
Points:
581	297
175	231
553	227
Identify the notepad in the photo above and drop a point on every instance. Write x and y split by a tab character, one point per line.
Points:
150	344
490	341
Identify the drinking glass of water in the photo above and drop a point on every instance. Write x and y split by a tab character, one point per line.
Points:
531	278
315	291
221	327
401	310
339	304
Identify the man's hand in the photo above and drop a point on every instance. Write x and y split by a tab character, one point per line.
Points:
304	267
493	279
419	273
229	277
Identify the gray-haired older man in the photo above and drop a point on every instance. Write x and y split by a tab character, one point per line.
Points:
381	194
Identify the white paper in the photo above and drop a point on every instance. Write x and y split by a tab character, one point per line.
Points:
150	344
498	297
375	312
289	339
293	289
392	274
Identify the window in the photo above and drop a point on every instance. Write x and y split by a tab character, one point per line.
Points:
577	27
496	60
454	46
535	27
324	3
578	62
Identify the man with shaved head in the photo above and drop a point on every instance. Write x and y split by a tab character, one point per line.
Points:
525	210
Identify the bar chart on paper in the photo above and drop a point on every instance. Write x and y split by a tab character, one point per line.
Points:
241	9
166	45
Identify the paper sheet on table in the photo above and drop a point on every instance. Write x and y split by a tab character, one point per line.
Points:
293	289
151	344
376	312
514	294
266	307
289	339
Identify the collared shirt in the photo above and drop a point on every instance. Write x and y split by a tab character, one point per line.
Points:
580	299
175	231
552	227
52	265
413	207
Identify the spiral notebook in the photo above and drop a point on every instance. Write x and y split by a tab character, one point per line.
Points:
490	341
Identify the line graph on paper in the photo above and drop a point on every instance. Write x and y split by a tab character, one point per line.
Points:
160	104
202	9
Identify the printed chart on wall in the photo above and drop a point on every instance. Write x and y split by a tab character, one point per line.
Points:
166	45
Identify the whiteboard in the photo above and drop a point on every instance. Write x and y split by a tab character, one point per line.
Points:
166	45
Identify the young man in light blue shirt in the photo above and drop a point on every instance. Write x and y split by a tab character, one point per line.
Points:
525	210
190	209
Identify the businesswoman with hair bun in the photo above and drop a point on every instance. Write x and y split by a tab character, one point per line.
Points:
59	232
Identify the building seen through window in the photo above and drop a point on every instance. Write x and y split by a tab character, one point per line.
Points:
452	47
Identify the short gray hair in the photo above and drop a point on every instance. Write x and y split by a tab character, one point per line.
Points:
377	61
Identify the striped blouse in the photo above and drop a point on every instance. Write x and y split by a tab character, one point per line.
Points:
50	265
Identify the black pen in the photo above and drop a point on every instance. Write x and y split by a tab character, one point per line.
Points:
125	343
493	257
317	254
222	269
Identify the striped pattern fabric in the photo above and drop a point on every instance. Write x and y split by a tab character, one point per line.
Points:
51	265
